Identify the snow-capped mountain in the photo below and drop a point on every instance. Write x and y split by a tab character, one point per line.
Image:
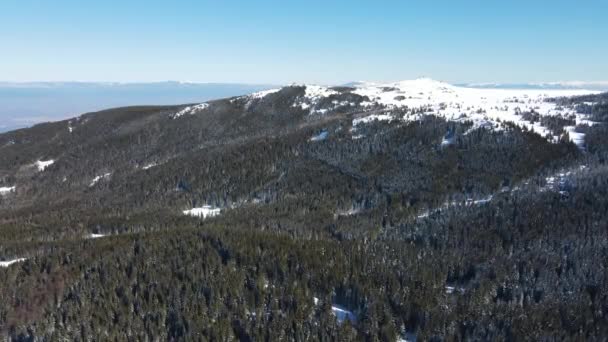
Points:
411	99
337	199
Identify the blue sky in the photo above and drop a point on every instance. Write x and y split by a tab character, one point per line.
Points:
303	41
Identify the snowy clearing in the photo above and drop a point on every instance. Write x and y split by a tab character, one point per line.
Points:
203	212
264	93
407	337
98	178
314	92
447	141
149	166
10	262
43	164
346	213
484	107
321	136
450	204
342	314
371	118
576	137
5	190
190	110
312	95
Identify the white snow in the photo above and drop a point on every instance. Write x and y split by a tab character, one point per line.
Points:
482	106
485	107
43	164
321	136
7	189
449	204
95	236
149	166
10	262
203	212
483	200
264	93
370	118
314	92
346	213
576	137
447	141
191	110
312	95
342	314
453	289
407	337
98	178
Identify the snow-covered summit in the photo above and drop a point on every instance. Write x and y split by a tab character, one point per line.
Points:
482	106
485	107
409	100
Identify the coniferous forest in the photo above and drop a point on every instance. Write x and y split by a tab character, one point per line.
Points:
309	227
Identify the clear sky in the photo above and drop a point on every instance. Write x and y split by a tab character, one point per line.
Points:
303	41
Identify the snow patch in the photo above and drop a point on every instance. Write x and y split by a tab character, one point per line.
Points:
370	118
203	212
447	142
342	314
262	94
577	138
98	178
449	204
481	201
407	337
312	95
7	189
314	92
43	164
346	213
10	262
453	289
149	166
190	110
321	136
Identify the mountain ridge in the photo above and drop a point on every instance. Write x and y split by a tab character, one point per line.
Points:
336	212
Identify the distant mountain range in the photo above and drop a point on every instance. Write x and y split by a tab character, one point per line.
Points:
598	85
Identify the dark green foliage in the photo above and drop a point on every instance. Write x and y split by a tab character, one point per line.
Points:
337	219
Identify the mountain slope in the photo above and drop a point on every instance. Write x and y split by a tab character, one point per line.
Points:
375	199
24	104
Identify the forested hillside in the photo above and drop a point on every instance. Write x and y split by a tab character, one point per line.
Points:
310	213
